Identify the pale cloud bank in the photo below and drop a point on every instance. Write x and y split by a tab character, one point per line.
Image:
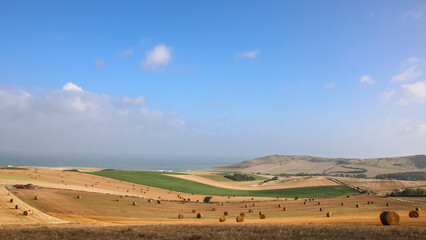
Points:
330	85
70	118
367	79
249	54
415	13
387	95
126	53
159	56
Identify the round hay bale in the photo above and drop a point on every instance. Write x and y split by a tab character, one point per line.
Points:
135	203
27	213
387	204
368	202
117	200
194	211
242	214
342	204
35	197
262	216
357	205
17	207
149	200
254	205
159	201
284	209
222	219
246	206
199	215
261	213
180	216
371	202
223	204
11	200
304	203
79	197
329	214
240	219
417	209
413	214
213	209
250	210
280	205
319	203
321	209
225	213
286	199
389	218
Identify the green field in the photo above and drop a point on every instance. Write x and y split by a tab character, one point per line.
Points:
13	177
161	180
13	168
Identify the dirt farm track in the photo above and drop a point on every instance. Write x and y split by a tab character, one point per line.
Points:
64	199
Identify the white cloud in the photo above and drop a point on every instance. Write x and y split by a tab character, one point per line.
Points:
249	54
413	93
410	74
159	56
422	128
367	79
100	63
387	95
415	13
58	119
126	53
213	104
330	85
69	86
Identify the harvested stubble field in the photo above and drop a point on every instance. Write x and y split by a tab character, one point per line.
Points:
210	232
97	208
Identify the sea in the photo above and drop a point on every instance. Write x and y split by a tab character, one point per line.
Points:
123	162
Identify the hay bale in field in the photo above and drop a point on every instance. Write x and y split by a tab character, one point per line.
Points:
319	203
242	214
284	209
347	196
149	200
254	205
280	205
17	207
11	200
223	204
240	219
413	214
286	199
35	197
197	201
250	210
159	201
357	205
199	215
321	209
135	203
79	197
371	202
389	218
222	219
262	216
252	198
194	211
246	206
304	203
417	209
213	209
261	213
329	214
225	213
387	204
342	204
117	200
180	216
27	213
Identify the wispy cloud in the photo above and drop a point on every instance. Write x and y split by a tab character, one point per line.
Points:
249	54
330	85
387	95
415	13
410	74
100	63
126	53
213	103
367	79
159	56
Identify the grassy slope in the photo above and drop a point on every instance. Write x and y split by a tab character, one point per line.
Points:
160	180
13	177
220	177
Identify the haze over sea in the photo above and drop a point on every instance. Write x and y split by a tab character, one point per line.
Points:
125	162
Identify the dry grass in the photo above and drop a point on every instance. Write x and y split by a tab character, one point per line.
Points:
207	232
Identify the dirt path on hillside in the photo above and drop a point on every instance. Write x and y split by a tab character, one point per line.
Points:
10	215
304	183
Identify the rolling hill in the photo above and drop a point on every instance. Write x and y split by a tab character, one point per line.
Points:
295	164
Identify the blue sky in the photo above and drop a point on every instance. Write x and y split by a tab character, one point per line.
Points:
226	78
